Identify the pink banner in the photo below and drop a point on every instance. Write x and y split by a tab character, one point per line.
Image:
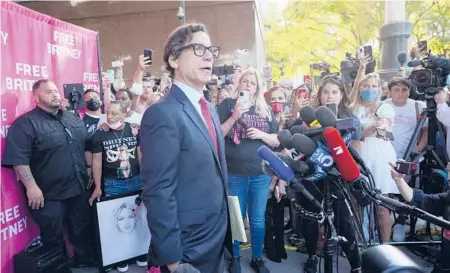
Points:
34	46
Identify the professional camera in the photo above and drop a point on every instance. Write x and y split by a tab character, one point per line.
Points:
349	68
433	74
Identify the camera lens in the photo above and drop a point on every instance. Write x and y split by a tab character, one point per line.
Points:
422	78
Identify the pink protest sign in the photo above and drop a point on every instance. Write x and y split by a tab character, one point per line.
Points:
34	46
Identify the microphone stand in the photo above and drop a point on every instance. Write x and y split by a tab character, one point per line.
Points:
402	208
331	242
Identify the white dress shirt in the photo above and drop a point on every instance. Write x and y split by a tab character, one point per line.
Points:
193	95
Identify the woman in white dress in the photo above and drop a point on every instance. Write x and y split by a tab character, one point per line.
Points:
376	120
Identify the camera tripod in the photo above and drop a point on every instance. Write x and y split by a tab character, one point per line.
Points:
432	160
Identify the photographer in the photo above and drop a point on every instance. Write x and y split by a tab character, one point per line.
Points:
437	204
443	112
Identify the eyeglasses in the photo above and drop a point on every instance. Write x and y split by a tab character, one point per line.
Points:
200	50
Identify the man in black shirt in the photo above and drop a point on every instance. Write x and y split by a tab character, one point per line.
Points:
45	146
91	120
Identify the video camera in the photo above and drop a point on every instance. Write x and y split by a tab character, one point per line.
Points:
349	68
325	68
432	76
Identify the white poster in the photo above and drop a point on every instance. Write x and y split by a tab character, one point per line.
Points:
124	232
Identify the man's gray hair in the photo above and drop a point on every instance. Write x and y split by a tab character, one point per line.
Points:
178	38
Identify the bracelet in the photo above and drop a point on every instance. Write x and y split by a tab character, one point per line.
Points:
88	166
233	118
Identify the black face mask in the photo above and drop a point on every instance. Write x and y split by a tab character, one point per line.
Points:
92	105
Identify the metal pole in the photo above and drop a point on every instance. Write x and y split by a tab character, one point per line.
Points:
100	79
183	6
394	36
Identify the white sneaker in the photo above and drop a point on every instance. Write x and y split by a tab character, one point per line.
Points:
399	233
141	263
122	267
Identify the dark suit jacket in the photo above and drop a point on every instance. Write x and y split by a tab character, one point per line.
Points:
184	182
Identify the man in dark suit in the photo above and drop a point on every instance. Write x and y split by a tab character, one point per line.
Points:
184	171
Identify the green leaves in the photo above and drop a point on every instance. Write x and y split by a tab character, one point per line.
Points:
323	31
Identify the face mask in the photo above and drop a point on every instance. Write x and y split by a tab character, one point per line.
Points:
448	81
369	94
92	105
115	125
277	107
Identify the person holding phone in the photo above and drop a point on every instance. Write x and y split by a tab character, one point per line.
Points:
377	121
247	123
436	204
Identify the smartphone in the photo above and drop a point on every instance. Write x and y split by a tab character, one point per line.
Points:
244	97
332	107
408	168
300	93
110	75
422	46
287	108
212	82
368	51
118	63
307	79
148	54
267	72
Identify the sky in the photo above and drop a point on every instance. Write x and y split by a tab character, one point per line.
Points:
266	5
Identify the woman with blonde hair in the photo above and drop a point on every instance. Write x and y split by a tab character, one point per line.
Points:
246	126
376	147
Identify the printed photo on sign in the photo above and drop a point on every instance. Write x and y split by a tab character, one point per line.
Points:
123	230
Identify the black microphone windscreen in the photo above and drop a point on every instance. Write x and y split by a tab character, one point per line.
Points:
298	121
414	63
304	144
284	137
325	116
297	166
298	129
308	114
401	58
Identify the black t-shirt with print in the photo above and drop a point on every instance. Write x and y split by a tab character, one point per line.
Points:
91	124
242	159
119	151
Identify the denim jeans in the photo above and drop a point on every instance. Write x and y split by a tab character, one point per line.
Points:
114	186
251	190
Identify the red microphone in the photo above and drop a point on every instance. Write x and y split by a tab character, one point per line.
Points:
341	155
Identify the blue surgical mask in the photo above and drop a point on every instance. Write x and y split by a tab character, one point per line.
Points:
369	94
448	81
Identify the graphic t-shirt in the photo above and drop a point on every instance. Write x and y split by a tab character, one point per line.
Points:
91	123
405	122
242	159
119	151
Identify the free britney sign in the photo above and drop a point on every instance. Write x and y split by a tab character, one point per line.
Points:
34	46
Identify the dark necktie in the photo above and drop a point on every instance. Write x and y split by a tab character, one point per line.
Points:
209	122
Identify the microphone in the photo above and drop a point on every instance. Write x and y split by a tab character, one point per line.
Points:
326	117
341	155
401	58
284	137
317	153
297	166
414	63
308	115
283	171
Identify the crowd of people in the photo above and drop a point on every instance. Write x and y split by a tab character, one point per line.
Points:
187	155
